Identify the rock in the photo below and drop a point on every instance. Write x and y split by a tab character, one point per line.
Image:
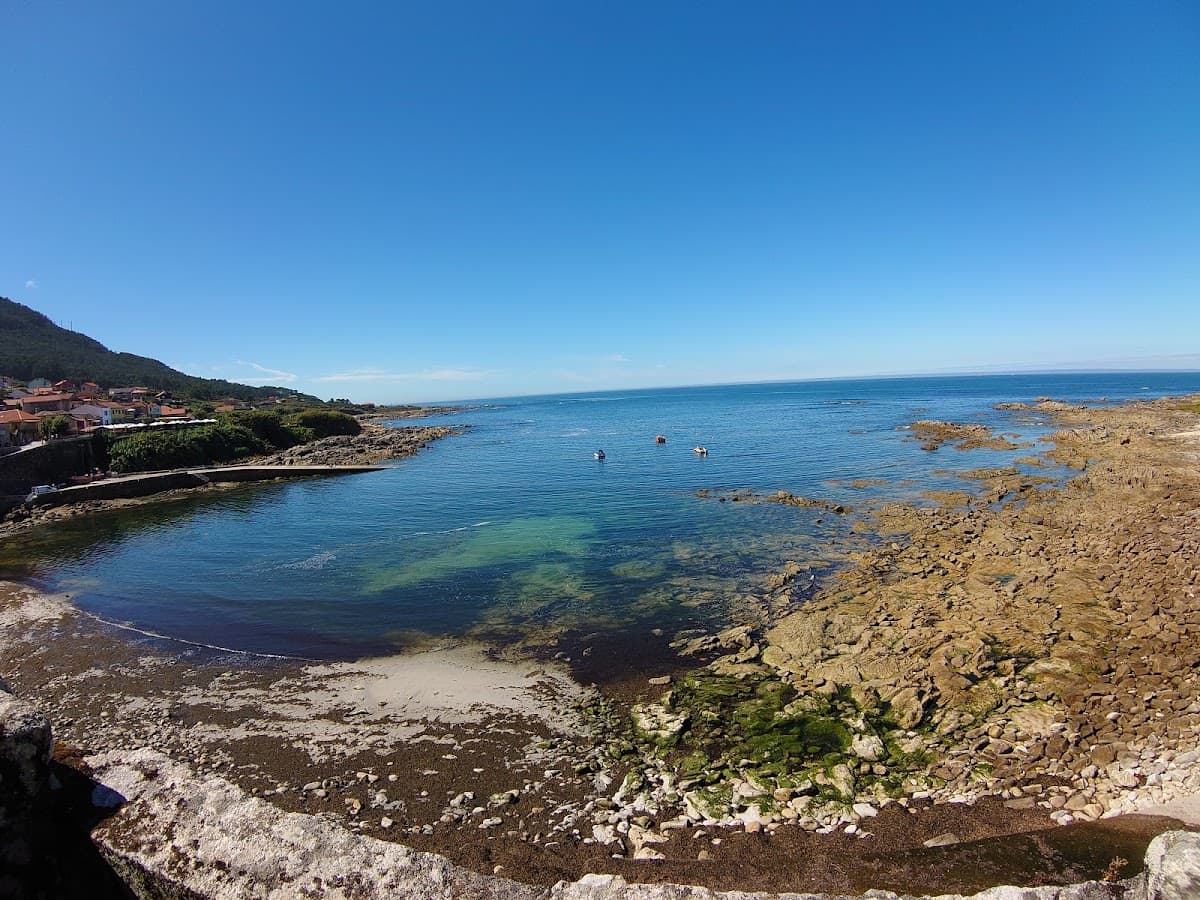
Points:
604	834
943	840
842	779
1125	778
1173	866
865	810
660	680
867	746
703	807
647	853
908	707
657	722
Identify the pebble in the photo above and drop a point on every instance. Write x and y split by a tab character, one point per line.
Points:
943	840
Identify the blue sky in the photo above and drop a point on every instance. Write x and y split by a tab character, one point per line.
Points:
441	200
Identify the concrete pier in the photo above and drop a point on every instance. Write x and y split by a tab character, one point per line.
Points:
153	482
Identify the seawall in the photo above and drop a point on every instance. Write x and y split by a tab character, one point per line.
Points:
46	464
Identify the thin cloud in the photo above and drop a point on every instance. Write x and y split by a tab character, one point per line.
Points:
267	376
616	358
32	283
445	374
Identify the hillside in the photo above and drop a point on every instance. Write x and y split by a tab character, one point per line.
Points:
31	346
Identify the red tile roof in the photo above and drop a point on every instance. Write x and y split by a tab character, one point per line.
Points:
10	416
48	398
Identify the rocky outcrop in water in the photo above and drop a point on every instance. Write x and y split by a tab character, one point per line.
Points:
933	434
374	444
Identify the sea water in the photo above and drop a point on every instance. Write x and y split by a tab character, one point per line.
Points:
514	532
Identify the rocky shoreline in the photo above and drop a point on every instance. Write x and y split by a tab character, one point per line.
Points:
375	444
1037	644
1021	657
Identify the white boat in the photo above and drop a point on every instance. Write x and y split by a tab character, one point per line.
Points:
599	454
700	451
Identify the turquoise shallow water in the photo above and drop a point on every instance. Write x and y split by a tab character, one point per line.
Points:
513	529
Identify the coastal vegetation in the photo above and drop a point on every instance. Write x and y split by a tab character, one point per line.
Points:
327	422
235	435
175	448
270	427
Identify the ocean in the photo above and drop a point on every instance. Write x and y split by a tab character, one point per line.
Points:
513	533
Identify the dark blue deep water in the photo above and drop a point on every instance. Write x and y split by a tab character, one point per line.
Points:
512	531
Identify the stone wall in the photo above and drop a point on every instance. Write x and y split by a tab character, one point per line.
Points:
48	464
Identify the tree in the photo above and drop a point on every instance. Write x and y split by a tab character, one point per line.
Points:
54	426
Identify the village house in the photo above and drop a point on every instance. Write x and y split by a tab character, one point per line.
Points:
128	393
168	412
93	412
18	428
64	386
39	403
89	390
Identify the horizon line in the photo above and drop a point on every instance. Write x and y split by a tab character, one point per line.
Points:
896	376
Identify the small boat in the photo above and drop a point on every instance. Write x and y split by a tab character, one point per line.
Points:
700	451
660	439
599	454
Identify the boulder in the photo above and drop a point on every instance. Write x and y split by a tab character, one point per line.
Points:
868	747
1173	867
657	722
908	707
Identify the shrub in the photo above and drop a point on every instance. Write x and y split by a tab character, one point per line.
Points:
268	426
325	422
178	448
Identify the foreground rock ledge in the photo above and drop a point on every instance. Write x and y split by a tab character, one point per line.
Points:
176	834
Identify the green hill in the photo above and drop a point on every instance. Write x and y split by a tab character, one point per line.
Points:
31	346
